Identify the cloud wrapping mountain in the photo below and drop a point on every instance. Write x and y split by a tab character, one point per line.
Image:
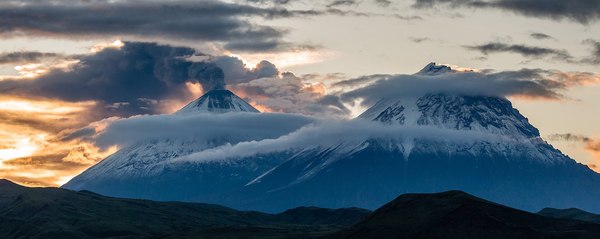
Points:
238	127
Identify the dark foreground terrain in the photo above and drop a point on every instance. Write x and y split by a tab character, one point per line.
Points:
456	214
570	213
58	213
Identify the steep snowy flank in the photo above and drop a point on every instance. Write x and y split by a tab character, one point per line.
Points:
217	101
479	113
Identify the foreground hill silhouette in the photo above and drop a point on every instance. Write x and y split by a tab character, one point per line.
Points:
59	213
455	214
570	213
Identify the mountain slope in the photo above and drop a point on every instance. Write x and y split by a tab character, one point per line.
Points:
455	214
489	150
143	170
59	213
570	213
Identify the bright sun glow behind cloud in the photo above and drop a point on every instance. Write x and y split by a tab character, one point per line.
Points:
39	106
23	148
285	60
101	46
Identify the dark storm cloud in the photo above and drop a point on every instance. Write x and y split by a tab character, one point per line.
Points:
120	79
524	50
204	20
142	78
26	57
212	21
581	11
540	36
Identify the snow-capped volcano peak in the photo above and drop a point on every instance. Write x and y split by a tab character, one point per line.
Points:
434	69
217	101
460	112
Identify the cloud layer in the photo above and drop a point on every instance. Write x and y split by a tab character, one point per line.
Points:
199	21
583	11
232	127
524	50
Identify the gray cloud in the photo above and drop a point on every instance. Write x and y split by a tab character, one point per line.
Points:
569	137
277	2
594	57
213	21
524	50
418	39
540	36
337	3
582	11
291	94
360	81
266	86
27	57
590	144
406	18
228	24
383	3
238	72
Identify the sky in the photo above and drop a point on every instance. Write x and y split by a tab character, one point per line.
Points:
72	68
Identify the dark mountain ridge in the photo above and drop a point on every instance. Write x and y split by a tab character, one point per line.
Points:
570	213
60	213
455	214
